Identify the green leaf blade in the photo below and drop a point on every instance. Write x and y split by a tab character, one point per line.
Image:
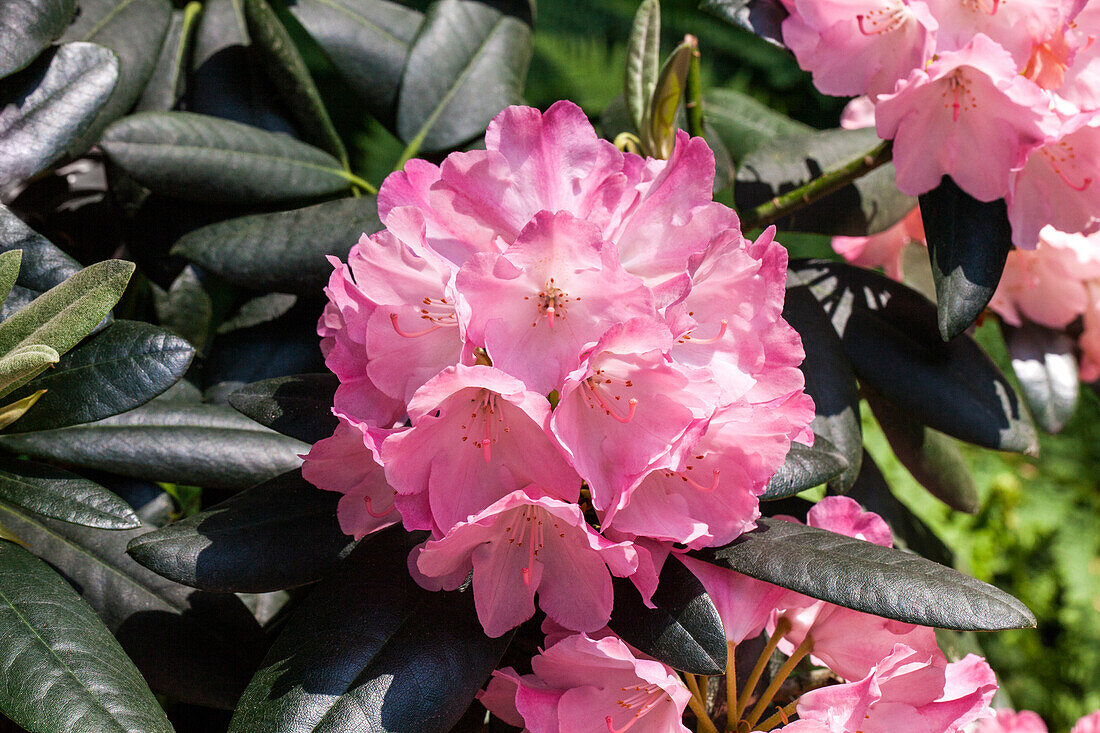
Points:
643	61
27	27
60	494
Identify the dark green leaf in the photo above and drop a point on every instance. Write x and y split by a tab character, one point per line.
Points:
762	17
371	650
279	348
891	336
134	30
280	534
968	243
298	406
643	61
186	308
122	367
744	123
198	445
291	78
27	27
167	84
258	310
684	630
47	105
43	265
1044	362
466	64
872	491
204	158
867	577
284	251
62	316
804	468
367	41
830	381
195	646
931	457
871	204
225	82
54	492
63	672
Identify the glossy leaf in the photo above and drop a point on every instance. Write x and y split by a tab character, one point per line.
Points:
186	309
804	468
830	381
134	31
367	41
968	244
203	158
744	123
290	76
47	105
1045	365
870	205
867	577
55	492
122	367
63	671
27	27
931	457
167	84
467	63
43	265
259	310
762	17
371	650
197	445
298	406
68	312
225	83
684	630
891	336
197	647
643	61
280	534
282	251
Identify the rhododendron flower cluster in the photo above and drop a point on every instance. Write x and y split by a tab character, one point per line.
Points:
552	352
1004	97
1025	721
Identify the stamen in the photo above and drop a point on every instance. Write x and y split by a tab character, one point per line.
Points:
721	333
375	514
699	486
412	335
646	699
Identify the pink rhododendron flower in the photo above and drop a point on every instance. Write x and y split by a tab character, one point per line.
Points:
525	543
1059	186
346	462
885	249
907	690
848	642
860	46
1088	724
556	288
585	685
1009	721
1047	285
550	311
983	117
744	604
1016	26
477	434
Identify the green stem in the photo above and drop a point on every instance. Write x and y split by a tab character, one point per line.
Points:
781	627
693	100
358	182
783	715
731	685
820	187
781	676
410	150
699	707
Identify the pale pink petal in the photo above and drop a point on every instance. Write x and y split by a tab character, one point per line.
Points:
499	697
1009	721
1088	724
744	604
